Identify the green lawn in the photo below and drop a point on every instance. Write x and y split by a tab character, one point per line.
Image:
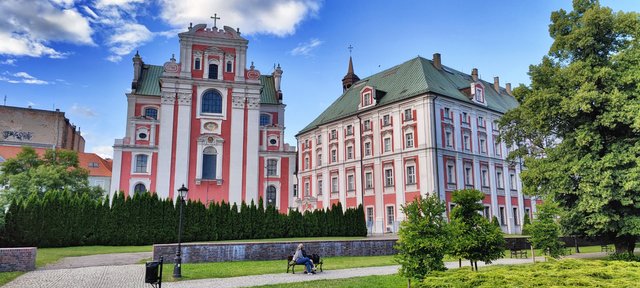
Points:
50	255
6	277
356	282
192	271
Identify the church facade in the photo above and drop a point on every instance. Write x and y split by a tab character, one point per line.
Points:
412	130
208	122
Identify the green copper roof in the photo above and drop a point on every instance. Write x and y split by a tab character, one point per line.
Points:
149	80
268	95
412	78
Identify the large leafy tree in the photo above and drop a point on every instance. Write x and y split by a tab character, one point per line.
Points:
476	238
423	238
578	126
56	170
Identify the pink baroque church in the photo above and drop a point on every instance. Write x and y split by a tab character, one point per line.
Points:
206	121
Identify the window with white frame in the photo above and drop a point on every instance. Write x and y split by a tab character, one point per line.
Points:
367	125
387	144
319	159
319	139
484	173
411	174
271	195
468	174
388	177
499	178
139	189
151	112
479	94
229	66
516	218
466	141
408	115
319	187
487	213
349	130
334	134
367	148
481	122
503	217
512	181
448	137
465	117
390	216
366	99
306	162
447	113
349	152
497	147
265	119
482	142
334	184
334	156
272	167
369	216
368	180
350	183
141	161
451	173
211	102
197	63
408	138
307	190
386	120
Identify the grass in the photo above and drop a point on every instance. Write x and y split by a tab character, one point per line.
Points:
6	277
356	282
191	271
50	255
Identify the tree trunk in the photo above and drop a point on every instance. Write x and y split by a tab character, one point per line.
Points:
475	263
625	244
459	262
408	282
471	262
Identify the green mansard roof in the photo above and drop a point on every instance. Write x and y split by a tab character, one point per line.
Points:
412	78
149	84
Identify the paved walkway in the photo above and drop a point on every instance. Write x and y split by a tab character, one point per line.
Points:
124	276
114	259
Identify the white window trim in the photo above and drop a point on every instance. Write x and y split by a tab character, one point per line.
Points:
144	107
353	177
269	115
223	93
135	181
145	130
415	177
266	161
217	144
133	163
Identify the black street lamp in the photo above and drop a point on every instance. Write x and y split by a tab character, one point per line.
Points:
177	269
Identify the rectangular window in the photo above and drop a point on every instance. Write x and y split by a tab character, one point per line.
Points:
466	140
483	145
408	115
213	71
334	134
411	175
334	156
319	187
350	152
448	136
367	125
485	177
388	177
366	101
349	129
368	180
307	191
465	118
334	184
350	183
272	167
447	113
367	149
451	178
481	121
499	179
141	164
486	213
468	175
387	144
319	140
527	211
516	218
319	159
386	120
497	147
390	216
503	217
306	162
369	216
512	181
295	190
409	140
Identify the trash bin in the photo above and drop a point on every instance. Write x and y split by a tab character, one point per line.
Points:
152	274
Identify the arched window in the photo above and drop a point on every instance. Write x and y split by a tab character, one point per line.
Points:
141	163
229	66
139	189
271	195
196	65
151	113
212	102
209	161
265	119
213	71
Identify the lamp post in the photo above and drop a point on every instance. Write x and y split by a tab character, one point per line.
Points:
177	269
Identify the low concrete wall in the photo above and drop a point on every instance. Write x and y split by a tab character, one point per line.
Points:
17	259
219	252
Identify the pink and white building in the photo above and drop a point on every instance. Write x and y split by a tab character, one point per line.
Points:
207	121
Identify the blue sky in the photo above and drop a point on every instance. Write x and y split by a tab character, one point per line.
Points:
76	55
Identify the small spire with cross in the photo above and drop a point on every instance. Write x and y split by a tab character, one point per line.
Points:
350	48
215	17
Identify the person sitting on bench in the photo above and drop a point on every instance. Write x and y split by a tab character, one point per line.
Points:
301	258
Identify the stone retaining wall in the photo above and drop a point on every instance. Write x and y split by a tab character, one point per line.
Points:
219	252
17	259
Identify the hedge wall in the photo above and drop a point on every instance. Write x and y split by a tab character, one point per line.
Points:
60	219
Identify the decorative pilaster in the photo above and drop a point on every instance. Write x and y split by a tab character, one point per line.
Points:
165	144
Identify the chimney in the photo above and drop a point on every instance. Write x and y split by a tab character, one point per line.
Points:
496	84
474	74
277	77
508	87
437	61
137	69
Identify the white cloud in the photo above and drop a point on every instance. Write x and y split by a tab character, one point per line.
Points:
278	17
306	48
29	31
103	151
22	77
126	38
82	111
10	62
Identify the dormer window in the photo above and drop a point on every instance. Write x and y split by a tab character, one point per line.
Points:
479	94
367	99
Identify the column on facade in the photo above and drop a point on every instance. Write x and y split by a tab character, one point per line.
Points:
252	134
165	145
520	197
237	144
183	138
507	195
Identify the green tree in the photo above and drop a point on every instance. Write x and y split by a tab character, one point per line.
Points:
476	239
578	127
525	223
423	238
545	230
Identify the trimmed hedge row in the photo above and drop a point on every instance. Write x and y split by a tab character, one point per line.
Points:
61	219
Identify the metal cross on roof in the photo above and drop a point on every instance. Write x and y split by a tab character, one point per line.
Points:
350	48
215	17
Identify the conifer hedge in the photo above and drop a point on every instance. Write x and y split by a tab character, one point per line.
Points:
61	219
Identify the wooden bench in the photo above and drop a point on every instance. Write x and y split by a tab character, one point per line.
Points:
515	253
292	264
606	248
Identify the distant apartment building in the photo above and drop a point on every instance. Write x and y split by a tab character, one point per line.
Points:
416	129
